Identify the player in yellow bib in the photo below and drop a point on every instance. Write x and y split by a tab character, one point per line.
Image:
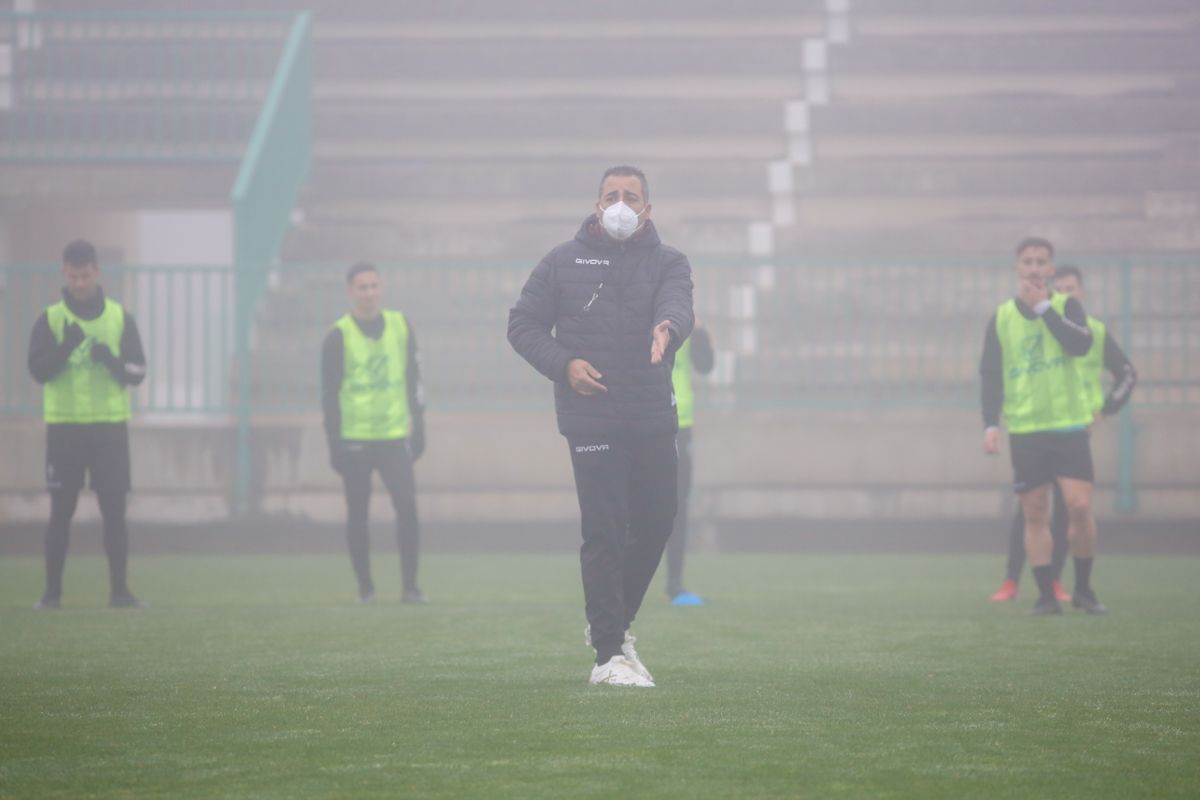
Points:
86	353
374	421
696	353
1030	373
1104	355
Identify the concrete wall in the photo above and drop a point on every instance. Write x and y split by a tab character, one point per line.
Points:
513	467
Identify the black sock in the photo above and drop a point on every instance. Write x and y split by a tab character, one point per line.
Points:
604	654
1083	575
1016	548
1044	575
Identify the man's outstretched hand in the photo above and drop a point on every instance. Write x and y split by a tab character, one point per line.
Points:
660	337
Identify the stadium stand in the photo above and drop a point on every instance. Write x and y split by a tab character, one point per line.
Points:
833	168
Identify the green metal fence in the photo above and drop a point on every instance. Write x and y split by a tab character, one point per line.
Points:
864	335
184	316
795	334
274	168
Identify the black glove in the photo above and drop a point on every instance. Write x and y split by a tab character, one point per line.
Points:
103	354
72	336
337	456
416	442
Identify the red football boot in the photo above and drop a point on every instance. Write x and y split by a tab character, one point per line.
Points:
1061	594
1008	591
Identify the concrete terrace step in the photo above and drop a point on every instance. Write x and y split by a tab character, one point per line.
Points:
795	22
542	118
452	238
989	236
601	149
567	210
512	10
1059	8
1085	143
1040	54
614	59
934	84
900	211
215	132
116	186
510	180
397	87
996	176
1001	20
1011	116
135	60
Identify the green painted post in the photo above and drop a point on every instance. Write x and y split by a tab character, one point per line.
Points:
274	167
1126	429
241	337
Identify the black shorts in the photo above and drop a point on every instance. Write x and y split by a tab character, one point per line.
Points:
391	457
1039	458
99	449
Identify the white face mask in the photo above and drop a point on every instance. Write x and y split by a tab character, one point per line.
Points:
620	221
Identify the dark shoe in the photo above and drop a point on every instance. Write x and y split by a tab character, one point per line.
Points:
124	600
1045	608
1088	603
48	603
414	597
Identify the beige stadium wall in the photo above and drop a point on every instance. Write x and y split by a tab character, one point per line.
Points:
513	467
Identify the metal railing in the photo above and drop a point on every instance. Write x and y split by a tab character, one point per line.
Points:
274	168
864	335
184	316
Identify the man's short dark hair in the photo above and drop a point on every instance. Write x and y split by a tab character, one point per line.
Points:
79	253
1035	241
357	269
1067	270
626	171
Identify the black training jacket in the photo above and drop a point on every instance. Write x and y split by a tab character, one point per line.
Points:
636	284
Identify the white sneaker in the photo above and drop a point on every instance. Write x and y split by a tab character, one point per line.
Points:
627	649
619	671
631	654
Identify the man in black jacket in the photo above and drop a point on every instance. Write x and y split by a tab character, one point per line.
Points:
86	352
602	316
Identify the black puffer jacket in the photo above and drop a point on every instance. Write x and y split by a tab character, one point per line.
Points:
638	283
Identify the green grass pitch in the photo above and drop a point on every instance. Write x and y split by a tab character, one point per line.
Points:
806	676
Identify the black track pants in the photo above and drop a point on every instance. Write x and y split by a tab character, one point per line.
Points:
58	536
627	502
394	463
